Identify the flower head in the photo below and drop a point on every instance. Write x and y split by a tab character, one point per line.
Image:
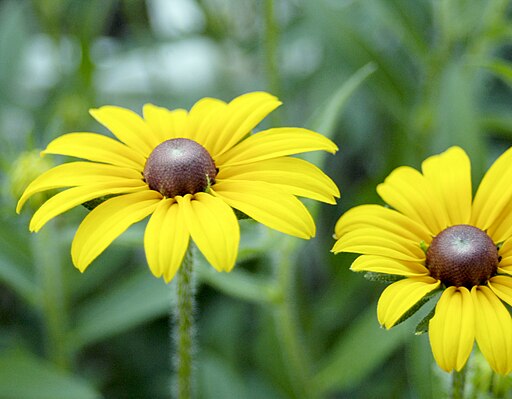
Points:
188	170
436	237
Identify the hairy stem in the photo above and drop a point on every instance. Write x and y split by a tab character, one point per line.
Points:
184	326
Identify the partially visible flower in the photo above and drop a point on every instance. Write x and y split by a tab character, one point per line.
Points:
438	238
23	170
188	170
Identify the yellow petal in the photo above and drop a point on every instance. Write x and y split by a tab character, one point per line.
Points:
494	192
166	124
166	239
506	248
401	296
505	253
128	127
410	193
501	229
72	197
108	221
97	148
268	205
493	329
241	116
203	121
213	227
450	176
383	218
505	270
381	264
293	175
373	241
452	329
502	287
274	143
76	174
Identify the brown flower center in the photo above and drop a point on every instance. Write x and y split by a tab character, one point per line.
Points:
462	255
178	167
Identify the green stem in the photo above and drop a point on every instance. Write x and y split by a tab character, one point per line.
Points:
458	383
184	326
286	322
271	43
46	249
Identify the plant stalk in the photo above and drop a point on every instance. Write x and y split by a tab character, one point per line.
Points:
184	331
458	383
285	318
48	259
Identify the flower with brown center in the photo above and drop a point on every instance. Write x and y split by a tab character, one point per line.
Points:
436	237
189	171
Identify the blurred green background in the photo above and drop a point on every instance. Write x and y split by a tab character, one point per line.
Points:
390	81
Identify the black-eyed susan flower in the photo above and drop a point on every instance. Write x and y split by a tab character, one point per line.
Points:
436	236
188	170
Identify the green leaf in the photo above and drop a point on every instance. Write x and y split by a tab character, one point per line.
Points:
382	277
424	379
238	283
417	306
219	379
256	241
500	68
90	205
422	326
13	37
23	376
499	123
404	21
324	120
361	349
16	262
128	304
456	115
17	279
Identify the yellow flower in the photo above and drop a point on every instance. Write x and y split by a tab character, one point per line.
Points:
436	237
188	170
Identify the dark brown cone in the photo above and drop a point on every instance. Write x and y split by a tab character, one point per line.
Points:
178	167
462	255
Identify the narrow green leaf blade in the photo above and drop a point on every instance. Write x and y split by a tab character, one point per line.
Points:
23	376
360	350
500	68
325	120
16	262
128	304
17	279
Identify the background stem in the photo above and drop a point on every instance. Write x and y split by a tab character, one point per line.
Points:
458	382
271	44
47	255
285	318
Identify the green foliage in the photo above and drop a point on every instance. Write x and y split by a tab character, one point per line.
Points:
25	376
358	352
390	81
382	278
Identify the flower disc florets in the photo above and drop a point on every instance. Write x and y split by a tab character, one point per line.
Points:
462	255
178	167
